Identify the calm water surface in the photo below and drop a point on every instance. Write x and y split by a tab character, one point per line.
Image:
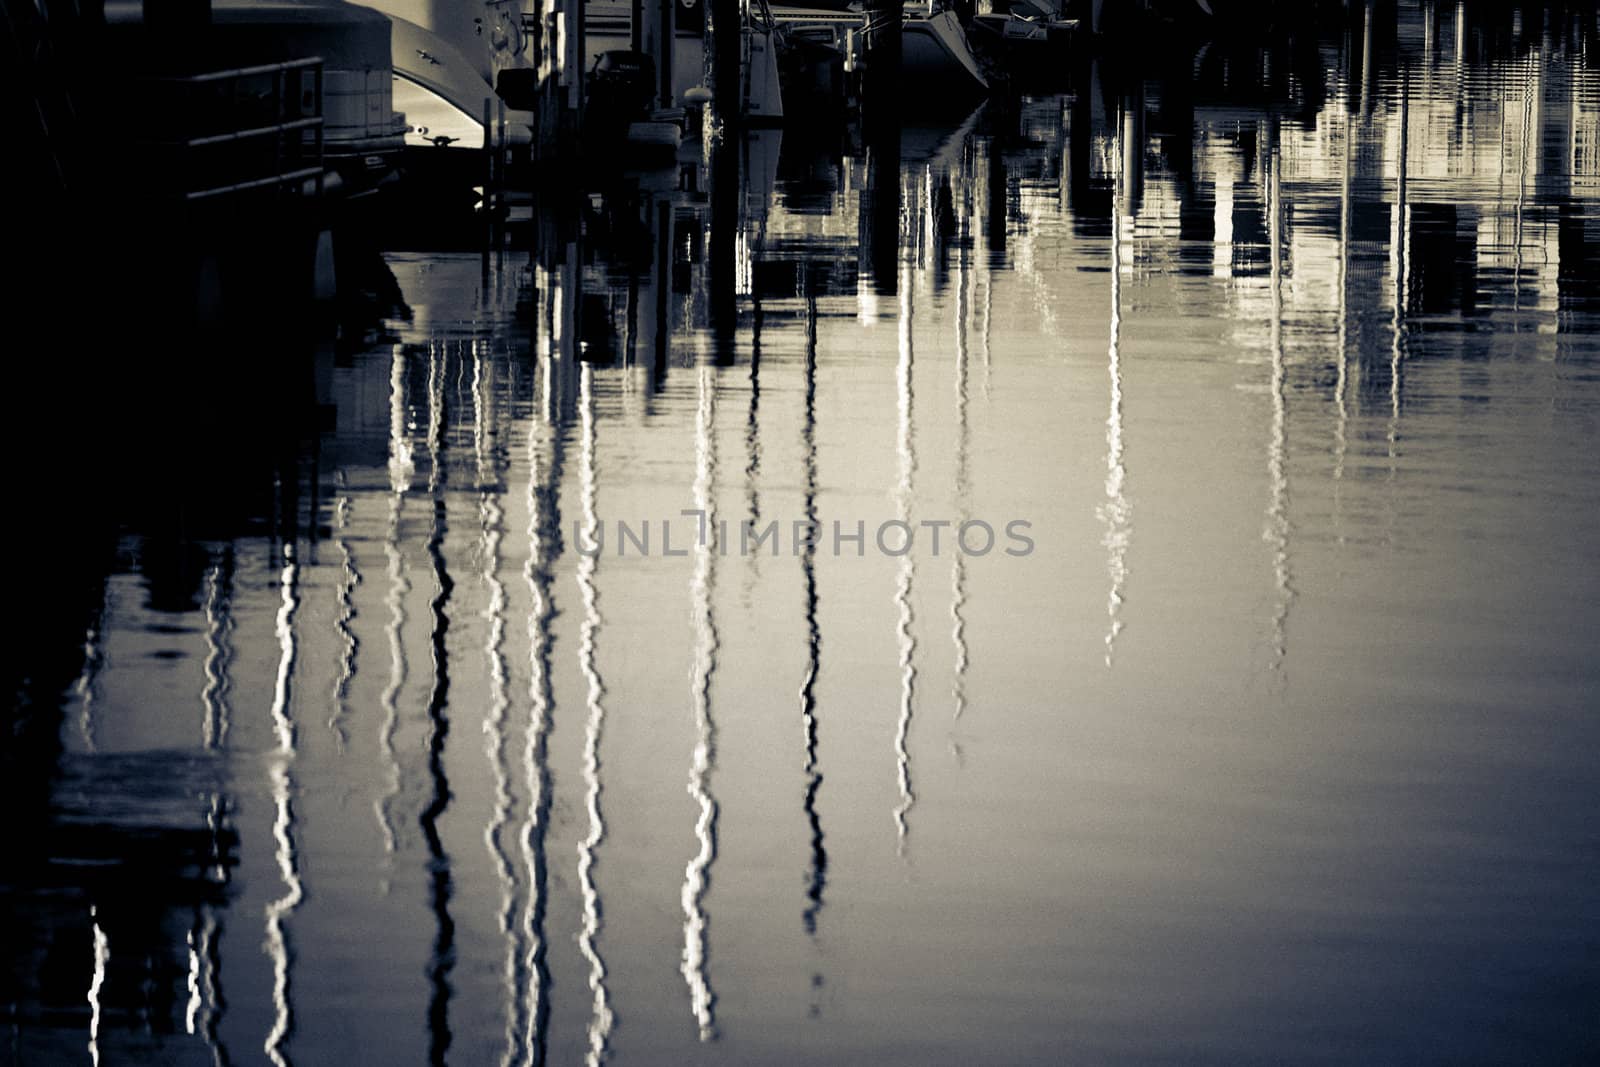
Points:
1276	742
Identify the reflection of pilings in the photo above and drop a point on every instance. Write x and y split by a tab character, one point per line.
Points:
879	236
1114	511
880	82
666	243
906	449
601	1018
817	877
1277	531
219	650
1132	145
442	957
400	471
998	188
349	644
696	875
544	526
491	528
722	249
279	910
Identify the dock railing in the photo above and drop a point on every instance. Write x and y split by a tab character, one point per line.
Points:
221	134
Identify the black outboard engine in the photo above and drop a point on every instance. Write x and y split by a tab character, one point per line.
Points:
621	88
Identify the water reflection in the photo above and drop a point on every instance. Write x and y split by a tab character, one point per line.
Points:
491	522
1115	512
1277	531
349	644
601	1017
86	688
1374	287
440	889
905	450
544	457
697	874
811	767
400	472
962	494
219	652
281	909
97	982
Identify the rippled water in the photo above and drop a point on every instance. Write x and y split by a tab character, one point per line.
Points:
1268	736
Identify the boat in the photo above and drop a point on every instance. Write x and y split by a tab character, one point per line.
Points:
938	69
608	28
447	56
361	133
937	64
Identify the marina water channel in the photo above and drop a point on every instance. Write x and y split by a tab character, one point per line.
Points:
1152	620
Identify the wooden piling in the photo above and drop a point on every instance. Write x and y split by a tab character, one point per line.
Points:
723	74
880	76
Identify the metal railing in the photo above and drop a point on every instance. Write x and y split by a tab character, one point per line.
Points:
228	132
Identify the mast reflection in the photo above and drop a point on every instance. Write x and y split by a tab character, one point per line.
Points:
491	529
401	469
219	651
544	525
601	1018
1401	269
349	644
906	449
1114	511
1277	531
696	875
442	959
958	566
817	876
97	982
282	787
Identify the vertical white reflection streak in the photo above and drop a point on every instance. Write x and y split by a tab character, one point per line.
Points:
491	520
1341	383
102	959
87	687
601	1019
219	651
1114	512
702	999
349	578
906	448
1401	270
958	565
205	1021
279	910
1277	531
191	1012
400	472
